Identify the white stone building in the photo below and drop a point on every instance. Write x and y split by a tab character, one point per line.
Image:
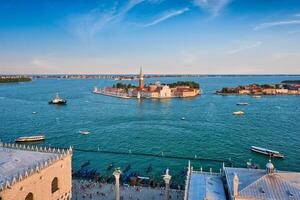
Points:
35	173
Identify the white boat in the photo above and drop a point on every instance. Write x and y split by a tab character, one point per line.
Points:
256	96
242	104
84	132
183	118
238	113
31	138
268	152
57	100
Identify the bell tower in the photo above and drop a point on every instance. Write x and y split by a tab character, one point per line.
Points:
141	80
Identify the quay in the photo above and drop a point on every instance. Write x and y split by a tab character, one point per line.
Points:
111	93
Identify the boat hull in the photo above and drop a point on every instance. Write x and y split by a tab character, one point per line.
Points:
30	139
267	152
58	103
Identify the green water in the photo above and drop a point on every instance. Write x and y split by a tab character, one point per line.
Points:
154	126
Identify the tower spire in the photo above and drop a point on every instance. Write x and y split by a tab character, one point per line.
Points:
141	79
141	73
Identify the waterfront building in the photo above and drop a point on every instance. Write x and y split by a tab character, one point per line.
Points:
35	173
186	92
244	91
243	184
165	91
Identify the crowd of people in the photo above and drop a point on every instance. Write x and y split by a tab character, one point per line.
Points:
84	190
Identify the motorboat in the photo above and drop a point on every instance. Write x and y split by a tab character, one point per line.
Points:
31	138
57	100
256	96
238	113
268	152
242	104
251	165
84	132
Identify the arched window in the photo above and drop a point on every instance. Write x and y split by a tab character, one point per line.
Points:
29	196
54	185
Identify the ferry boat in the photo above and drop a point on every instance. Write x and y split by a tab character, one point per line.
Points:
267	152
57	100
242	104
238	113
31	138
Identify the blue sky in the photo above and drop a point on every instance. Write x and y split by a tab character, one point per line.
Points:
162	36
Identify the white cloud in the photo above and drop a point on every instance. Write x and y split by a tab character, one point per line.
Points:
212	6
88	24
166	16
39	62
297	15
244	46
276	23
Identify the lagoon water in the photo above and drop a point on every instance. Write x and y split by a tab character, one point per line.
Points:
154	126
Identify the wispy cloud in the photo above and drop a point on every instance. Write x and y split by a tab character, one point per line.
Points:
297	15
244	46
286	56
88	24
212	6
165	16
276	23
293	32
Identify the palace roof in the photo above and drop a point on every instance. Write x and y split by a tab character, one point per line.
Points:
19	161
257	184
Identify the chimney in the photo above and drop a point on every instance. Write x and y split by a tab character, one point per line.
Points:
235	185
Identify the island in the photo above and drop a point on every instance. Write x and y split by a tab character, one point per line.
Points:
180	89
290	87
14	79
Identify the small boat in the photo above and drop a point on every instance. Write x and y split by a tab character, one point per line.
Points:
242	104
85	164
34	112
267	152
57	100
110	166
84	132
238	113
256	96
251	165
149	169
31	138
127	168
182	118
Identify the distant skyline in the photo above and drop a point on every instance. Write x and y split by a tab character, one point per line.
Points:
162	36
